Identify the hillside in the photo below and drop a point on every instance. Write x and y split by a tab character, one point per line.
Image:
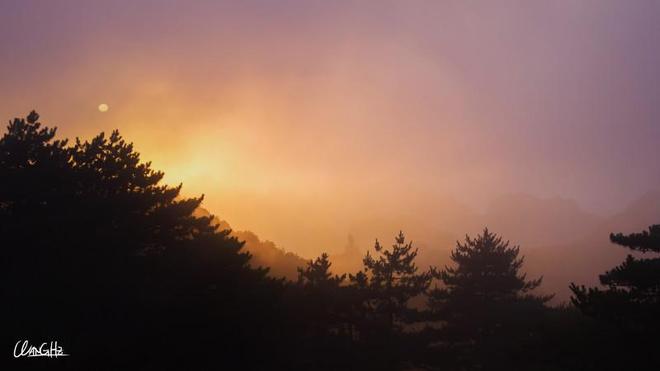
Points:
560	241
264	253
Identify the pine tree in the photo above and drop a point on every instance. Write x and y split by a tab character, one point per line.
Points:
391	279
384	315
625	310
486	269
99	253
485	303
317	274
322	305
632	295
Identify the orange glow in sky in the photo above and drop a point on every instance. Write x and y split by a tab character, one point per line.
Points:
360	118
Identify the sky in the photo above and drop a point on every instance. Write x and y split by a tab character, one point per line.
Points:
308	120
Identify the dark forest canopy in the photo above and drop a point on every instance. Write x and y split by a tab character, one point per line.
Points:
101	256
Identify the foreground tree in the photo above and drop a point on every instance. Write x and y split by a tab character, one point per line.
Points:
317	274
632	294
392	279
629	305
98	254
322	305
385	289
485	303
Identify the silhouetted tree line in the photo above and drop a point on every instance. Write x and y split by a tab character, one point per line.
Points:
101	257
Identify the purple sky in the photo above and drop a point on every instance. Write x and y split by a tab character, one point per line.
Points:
327	107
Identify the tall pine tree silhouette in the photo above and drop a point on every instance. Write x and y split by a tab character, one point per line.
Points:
323	306
632	294
384	290
392	279
485	302
627	308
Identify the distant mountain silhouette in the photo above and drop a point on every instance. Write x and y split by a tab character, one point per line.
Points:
559	240
583	259
532	221
642	212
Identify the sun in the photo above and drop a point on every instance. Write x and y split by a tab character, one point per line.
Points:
103	107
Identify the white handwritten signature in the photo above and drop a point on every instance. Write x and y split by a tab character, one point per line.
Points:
50	350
